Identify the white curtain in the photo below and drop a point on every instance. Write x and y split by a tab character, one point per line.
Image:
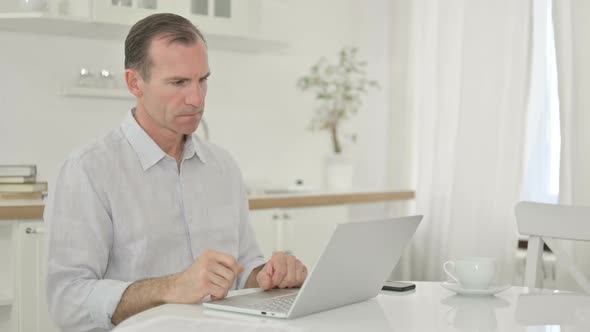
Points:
471	62
572	28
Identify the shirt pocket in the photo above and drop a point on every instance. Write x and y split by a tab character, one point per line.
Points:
220	230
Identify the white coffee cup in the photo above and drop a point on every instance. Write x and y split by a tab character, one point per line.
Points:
472	272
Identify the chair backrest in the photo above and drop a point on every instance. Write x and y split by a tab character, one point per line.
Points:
546	223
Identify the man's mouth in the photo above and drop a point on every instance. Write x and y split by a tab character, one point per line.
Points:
200	113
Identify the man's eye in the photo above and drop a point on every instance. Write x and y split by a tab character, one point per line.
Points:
179	82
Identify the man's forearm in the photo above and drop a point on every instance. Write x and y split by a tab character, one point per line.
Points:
252	282
142	295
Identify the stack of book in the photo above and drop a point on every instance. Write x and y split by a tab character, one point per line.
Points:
20	182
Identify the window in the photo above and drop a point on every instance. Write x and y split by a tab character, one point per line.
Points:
541	177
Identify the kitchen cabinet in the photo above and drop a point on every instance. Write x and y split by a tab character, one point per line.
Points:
231	25
302	232
226	17
22	280
219	15
7	277
127	12
302	223
30	285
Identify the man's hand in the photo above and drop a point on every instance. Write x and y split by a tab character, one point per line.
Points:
282	271
213	273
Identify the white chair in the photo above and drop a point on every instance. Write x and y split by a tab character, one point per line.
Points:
546	223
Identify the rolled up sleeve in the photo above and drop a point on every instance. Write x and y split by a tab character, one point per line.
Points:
80	237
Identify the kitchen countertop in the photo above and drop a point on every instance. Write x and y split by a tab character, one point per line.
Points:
33	209
21	209
315	198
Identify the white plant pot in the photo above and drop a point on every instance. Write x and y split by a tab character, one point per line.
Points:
338	172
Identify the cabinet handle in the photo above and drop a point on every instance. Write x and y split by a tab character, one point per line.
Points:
30	230
284	216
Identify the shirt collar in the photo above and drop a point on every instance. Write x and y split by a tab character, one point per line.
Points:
194	146
147	150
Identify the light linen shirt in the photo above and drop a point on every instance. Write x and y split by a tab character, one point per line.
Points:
122	212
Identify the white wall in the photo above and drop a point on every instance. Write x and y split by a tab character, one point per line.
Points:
253	109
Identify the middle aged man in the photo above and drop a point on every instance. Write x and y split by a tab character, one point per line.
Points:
151	214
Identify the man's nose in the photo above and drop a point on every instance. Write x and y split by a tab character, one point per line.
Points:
196	96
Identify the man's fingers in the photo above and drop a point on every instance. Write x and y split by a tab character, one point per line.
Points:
217	292
222	271
282	271
279	271
292	271
228	260
264	279
219	280
299	273
290	276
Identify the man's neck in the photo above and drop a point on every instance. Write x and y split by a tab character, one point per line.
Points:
171	143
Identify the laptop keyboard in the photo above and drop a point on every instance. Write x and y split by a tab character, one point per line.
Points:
274	304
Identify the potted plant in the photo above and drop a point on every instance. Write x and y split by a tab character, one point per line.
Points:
339	88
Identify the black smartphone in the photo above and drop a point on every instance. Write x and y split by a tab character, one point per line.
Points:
398	286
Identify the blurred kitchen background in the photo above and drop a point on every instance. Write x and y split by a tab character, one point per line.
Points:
254	108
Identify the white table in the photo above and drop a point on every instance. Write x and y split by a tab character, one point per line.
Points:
429	308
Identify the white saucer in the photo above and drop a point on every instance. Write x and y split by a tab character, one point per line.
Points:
455	287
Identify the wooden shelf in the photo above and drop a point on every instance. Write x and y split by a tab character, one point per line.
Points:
39	15
44	23
97	93
40	22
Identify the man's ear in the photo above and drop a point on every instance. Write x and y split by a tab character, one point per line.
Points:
134	80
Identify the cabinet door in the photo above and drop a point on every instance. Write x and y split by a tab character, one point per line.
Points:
220	17
302	232
129	11
308	230
265	230
31	262
8	311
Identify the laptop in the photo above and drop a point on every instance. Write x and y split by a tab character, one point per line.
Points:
352	268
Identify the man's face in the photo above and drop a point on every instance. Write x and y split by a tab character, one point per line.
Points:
174	97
